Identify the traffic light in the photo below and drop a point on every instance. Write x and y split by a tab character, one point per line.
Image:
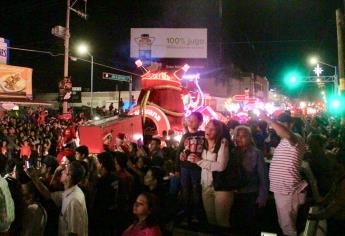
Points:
106	75
292	79
336	104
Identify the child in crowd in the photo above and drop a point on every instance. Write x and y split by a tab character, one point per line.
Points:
192	142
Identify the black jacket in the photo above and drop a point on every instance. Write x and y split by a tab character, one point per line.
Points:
105	203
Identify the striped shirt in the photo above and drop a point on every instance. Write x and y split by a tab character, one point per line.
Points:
285	166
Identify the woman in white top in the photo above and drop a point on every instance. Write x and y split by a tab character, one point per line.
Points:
215	157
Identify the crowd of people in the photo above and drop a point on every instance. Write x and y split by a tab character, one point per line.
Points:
220	179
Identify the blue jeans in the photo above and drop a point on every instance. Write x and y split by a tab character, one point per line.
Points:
191	191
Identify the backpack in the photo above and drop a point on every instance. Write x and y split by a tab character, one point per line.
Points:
6	206
233	177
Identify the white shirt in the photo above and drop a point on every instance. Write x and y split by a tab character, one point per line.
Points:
73	217
213	162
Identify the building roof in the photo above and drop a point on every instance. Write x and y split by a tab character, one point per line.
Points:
24	101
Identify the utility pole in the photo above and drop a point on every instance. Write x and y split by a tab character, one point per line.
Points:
67	36
66	58
339	22
64	32
220	15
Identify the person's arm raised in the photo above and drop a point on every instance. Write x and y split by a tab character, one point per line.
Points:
281	130
56	173
32	173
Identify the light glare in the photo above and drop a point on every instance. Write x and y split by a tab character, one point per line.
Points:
313	60
178	137
137	137
139	63
335	104
185	68
83	49
302	105
293	79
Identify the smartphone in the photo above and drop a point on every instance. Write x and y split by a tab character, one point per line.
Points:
27	164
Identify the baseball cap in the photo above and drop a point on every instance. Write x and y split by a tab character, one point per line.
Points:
50	161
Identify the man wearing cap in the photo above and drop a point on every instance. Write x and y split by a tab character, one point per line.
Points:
285	179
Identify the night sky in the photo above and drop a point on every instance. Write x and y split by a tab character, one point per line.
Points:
267	37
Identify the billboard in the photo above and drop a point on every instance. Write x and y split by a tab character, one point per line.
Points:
147	43
15	81
4	51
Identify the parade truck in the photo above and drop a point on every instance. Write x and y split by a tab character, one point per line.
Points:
98	133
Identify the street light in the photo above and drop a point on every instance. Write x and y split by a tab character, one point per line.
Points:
315	60
83	49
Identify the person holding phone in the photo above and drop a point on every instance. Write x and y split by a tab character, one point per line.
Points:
215	157
73	217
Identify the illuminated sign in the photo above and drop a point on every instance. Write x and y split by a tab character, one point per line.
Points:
244	98
156	115
158	76
4	51
191	77
147	43
111	76
152	80
15	81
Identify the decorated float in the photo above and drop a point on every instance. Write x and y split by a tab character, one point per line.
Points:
167	98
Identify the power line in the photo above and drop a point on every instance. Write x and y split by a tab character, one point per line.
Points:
36	51
81	59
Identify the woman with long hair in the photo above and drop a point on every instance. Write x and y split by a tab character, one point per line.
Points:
146	212
253	194
215	157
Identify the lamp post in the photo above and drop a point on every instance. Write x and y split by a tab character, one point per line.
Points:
315	60
82	50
